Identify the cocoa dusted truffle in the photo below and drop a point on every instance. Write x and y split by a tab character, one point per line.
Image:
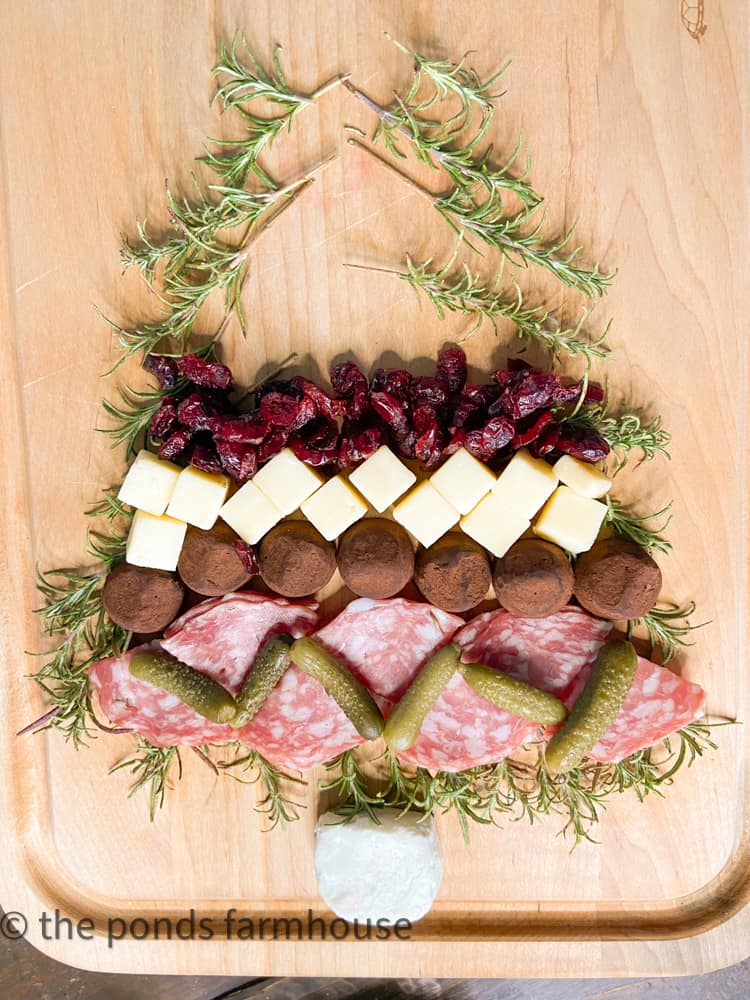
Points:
454	573
533	579
209	562
295	560
617	579
140	599
376	558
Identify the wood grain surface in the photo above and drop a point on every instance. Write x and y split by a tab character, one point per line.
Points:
636	133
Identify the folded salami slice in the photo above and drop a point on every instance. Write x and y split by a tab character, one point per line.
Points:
547	653
658	703
385	643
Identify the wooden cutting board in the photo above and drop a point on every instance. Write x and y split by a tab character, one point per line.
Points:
635	129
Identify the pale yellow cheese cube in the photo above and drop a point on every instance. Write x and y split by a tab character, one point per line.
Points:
583	477
425	513
570	520
250	513
334	507
149	483
526	483
198	496
154	541
382	478
495	524
463	480
287	481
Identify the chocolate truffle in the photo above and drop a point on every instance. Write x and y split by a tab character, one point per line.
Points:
209	562
295	560
142	600
454	573
376	558
617	579
533	579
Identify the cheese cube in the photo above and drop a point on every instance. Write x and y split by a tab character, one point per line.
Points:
583	477
382	478
425	513
526	483
198	496
250	513
287	481
334	507
495	524
570	521
154	541
149	483
463	480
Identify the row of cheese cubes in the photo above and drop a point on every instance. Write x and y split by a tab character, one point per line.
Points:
497	511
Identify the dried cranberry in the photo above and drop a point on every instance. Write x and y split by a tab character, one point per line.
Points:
395	381
164	419
358	442
584	444
165	369
211	374
278	410
320	433
406	443
250	428
531	390
271	445
204	457
546	442
594	393
349	382
391	410
286	386
247	557
488	440
451	368
175	443
525	436
324	404
239	460
312	456
427	391
194	412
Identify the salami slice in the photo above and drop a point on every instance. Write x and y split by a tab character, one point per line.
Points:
658	703
162	718
463	730
385	643
548	653
222	637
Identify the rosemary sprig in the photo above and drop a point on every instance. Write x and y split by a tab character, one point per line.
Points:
639	528
277	806
474	213
241	83
466	294
625	432
350	786
668	629
151	767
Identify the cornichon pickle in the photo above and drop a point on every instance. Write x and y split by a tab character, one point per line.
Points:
405	721
354	699
270	663
201	693
513	695
597	706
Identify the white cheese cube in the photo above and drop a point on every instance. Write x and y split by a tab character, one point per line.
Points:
250	513
154	541
198	496
570	521
382	478
525	483
149	483
583	477
463	480
425	513
334	507
495	524
287	481
389	870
